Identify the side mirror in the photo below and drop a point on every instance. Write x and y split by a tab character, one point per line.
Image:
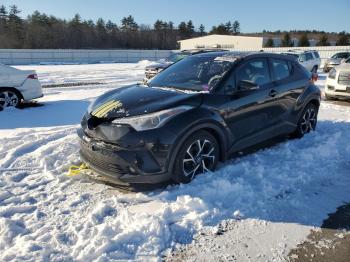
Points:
244	85
301	60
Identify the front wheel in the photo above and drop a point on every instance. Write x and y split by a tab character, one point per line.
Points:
198	154
307	121
9	98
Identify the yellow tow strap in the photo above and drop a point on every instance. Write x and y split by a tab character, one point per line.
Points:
76	170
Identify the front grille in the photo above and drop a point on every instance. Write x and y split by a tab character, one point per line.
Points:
344	78
98	163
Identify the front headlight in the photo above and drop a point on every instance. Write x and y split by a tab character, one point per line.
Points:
151	121
332	74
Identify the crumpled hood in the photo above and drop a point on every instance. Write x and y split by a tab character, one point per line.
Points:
138	100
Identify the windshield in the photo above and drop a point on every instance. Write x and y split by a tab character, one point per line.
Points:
176	57
198	73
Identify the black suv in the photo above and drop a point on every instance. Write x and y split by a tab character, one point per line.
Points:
195	113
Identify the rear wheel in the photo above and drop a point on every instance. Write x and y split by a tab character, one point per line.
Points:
327	97
8	98
307	121
314	69
198	154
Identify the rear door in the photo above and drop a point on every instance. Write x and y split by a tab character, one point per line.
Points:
288	89
310	61
249	113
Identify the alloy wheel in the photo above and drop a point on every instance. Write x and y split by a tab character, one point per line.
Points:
308	122
199	158
8	98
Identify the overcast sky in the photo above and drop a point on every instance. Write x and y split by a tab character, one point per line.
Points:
254	15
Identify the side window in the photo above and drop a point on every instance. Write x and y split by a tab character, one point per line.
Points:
255	71
343	55
302	57
280	68
309	56
316	55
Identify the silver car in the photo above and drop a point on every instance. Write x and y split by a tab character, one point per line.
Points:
335	60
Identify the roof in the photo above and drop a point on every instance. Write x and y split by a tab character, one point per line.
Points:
221	36
234	55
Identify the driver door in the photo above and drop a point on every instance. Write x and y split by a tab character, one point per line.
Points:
249	112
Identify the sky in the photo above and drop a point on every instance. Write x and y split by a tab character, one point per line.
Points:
254	15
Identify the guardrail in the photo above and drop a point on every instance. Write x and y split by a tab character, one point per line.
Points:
39	56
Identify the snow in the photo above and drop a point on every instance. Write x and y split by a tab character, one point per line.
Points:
270	199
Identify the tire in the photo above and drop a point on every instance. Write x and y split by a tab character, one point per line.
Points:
327	97
307	121
9	97
314	69
198	154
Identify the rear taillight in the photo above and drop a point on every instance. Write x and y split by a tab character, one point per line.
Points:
33	76
314	77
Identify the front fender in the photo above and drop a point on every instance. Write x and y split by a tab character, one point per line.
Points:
199	119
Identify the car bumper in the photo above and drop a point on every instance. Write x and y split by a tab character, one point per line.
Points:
334	89
31	89
125	165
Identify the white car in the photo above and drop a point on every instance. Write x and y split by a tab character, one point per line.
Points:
309	59
338	81
18	85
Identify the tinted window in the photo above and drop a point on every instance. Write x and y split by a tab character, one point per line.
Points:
281	69
316	55
255	71
309	56
302	57
343	55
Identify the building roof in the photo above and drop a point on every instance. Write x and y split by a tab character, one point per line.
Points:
220	36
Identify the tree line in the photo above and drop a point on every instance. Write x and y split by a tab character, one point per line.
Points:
40	30
343	39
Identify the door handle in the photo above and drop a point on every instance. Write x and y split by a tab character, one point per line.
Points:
273	93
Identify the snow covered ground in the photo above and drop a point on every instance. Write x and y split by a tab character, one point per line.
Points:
270	199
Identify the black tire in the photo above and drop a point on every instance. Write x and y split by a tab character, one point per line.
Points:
307	121
190	158
9	94
314	69
327	97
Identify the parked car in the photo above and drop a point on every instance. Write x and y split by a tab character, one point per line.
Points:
335	60
17	85
195	113
309	59
338	81
157	67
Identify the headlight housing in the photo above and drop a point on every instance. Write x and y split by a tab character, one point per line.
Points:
152	120
332	74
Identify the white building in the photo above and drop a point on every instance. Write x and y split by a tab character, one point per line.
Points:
223	41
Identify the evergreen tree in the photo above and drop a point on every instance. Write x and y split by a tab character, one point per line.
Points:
201	30
286	41
190	28
269	43
221	29
236	28
183	31
323	41
343	39
15	27
129	24
229	27
304	40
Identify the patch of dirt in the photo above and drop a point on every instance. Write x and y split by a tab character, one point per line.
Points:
331	243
